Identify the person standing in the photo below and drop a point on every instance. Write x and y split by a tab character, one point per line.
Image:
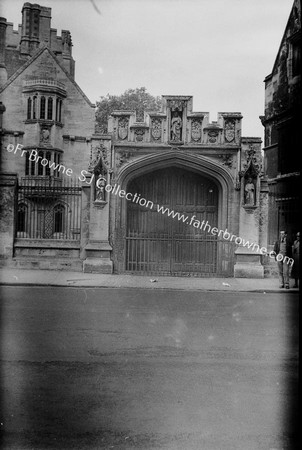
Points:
282	248
295	254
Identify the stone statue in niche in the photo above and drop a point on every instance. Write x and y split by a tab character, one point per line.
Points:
100	189
176	127
249	192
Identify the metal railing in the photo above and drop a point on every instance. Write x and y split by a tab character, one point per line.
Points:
49	209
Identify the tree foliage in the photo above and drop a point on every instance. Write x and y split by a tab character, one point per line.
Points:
138	100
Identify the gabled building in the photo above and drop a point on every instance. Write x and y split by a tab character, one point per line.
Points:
46	127
281	122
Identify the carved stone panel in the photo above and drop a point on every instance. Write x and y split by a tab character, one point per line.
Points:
229	130
213	136
176	104
196	130
122	158
156	130
99	159
123	128
139	135
227	160
45	134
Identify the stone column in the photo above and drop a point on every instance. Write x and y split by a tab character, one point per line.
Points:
8	206
95	231
85	216
249	256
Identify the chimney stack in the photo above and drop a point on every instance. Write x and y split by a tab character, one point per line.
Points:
30	28
3	71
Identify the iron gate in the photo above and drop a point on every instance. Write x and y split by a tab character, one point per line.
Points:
159	244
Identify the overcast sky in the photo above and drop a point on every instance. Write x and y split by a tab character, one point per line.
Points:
219	51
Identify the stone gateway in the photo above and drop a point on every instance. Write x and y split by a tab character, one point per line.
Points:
129	201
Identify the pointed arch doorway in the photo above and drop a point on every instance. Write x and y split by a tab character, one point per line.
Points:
158	244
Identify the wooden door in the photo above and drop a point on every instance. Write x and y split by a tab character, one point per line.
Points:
159	244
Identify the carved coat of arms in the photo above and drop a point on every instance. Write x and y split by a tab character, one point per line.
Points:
196	130
156	129
123	128
229	131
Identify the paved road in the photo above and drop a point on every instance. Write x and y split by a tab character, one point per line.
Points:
141	369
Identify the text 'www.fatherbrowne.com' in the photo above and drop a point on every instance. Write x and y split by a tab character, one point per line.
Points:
205	226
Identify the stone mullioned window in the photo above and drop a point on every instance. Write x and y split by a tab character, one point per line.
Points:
44	107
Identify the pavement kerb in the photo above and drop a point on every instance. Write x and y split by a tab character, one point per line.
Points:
51	278
259	291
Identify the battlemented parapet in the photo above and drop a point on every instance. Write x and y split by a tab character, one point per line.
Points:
177	124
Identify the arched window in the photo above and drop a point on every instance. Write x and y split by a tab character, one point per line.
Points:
42	107
21	219
59	218
34	116
29	103
49	108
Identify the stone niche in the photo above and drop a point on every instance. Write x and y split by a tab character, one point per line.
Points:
177	110
248	260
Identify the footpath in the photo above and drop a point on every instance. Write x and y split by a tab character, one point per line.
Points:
23	277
